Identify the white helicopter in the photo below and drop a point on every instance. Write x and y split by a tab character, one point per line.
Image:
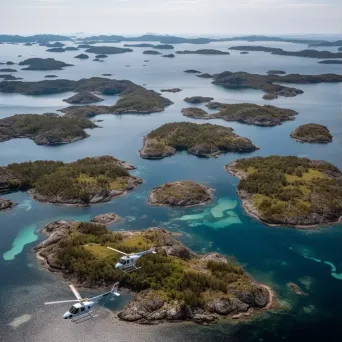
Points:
83	308
127	263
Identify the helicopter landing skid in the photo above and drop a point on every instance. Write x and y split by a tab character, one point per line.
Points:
83	318
130	269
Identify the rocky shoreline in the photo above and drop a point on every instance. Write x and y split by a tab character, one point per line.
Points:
6	204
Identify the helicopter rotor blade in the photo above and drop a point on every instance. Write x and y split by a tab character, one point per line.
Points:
75	292
116	250
62	301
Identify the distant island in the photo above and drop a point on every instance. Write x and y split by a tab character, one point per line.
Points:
276	72
82	56
198	99
106	219
267	83
101	56
289	190
203	52
330	61
47	129
107	50
312	133
133	98
83	182
281	52
247	113
151	52
203	140
171	90
6	38
56	49
7	77
163	46
8	70
52	45
6	204
192	71
50	76
143	45
171	55
180	194
83	97
172	290
43	64
323	44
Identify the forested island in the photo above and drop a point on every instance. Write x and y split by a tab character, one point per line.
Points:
312	133
173	285
203	140
83	97
133	98
198	99
56	49
247	113
330	61
107	50
180	194
281	52
43	64
203	52
47	129
267	83
289	190
151	52
82	56
83	182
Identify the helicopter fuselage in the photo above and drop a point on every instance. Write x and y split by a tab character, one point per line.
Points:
79	309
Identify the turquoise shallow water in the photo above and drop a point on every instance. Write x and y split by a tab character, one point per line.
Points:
273	255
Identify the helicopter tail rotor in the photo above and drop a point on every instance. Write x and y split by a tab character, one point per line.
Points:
153	249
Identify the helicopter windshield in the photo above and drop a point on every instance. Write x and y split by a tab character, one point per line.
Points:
123	261
73	310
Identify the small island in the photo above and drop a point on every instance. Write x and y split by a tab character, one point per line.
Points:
276	72
101	56
291	191
180	194
331	61
198	99
56	49
144	45
106	219
50	76
43	64
312	133
171	55
83	182
6	204
151	52
192	71
83	97
171	90
181	285
203	52
8	70
246	113
107	50
46	129
204	140
163	46
268	83
82	56
205	75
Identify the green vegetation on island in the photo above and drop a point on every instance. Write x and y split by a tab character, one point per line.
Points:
268	83
107	50
281	52
83	182
82	56
247	113
83	97
151	52
46	129
171	55
289	190
56	49
8	70
204	140
331	61
173	285
43	64
312	133
180	194
198	99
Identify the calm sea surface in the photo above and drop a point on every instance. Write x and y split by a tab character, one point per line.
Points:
273	255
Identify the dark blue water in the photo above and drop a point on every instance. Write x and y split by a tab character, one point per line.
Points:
272	255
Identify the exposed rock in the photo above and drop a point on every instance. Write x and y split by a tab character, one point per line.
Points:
270	96
6	204
106	219
83	98
195	113
296	289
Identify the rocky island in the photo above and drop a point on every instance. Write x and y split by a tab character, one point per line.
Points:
173	285
180	194
203	140
171	55
163	46
331	61
46	129
268	83
198	99
56	49
281	52
289	190
276	72
8	70
82	56
43	64
106	219
203	52
101	56
151	52
6	204
171	90
83	97
312	133
83	182
192	71
247	113
133	98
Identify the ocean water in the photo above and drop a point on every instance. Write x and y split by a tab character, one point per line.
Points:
311	258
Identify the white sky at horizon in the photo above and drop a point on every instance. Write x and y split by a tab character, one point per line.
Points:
187	17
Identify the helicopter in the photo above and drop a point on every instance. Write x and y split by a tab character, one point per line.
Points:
83	307
127	263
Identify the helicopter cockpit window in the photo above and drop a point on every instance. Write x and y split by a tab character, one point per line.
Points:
123	261
73	310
